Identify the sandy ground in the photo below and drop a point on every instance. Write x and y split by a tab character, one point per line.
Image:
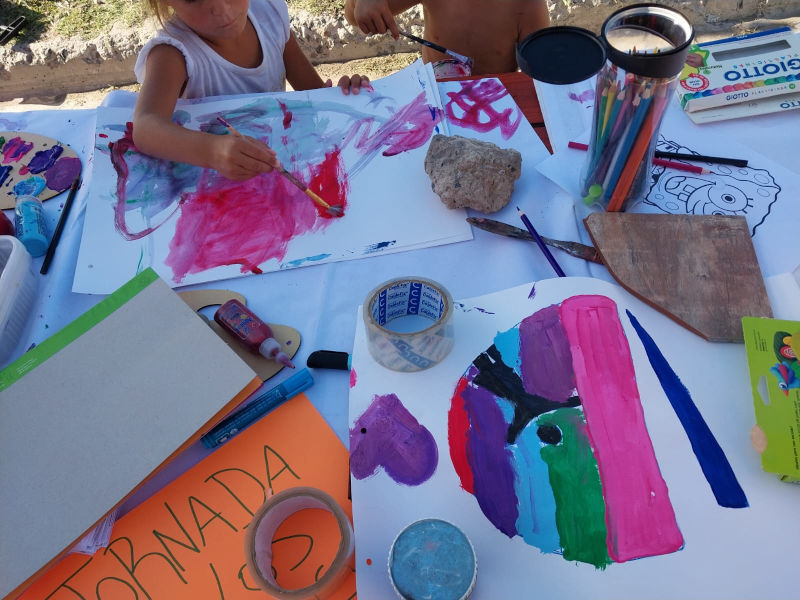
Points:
374	68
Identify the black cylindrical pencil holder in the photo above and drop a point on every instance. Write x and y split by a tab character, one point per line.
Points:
646	47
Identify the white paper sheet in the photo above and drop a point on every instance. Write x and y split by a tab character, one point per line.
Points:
727	553
192	226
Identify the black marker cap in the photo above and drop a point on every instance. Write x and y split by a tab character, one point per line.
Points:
561	55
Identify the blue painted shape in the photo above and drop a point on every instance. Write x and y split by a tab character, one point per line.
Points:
712	459
30	186
432	559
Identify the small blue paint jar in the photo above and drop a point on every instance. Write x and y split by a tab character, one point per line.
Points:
432	559
29	224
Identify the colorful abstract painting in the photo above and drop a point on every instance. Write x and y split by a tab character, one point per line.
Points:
364	153
588	447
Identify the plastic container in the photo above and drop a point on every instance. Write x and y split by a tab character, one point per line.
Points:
252	332
646	46
29	224
17	293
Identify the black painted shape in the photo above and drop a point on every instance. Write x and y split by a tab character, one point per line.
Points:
500	379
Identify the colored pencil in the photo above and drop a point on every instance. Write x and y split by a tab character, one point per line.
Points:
51	249
640	105
540	242
679	166
334	210
714	160
643	139
661	162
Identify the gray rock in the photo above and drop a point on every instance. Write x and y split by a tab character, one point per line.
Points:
467	173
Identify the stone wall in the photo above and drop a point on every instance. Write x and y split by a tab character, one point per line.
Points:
57	66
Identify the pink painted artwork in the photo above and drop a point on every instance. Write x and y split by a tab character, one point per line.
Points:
193	225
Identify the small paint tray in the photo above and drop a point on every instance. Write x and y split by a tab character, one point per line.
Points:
17	292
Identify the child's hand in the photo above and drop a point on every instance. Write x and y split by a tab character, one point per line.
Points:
239	157
352	84
374	16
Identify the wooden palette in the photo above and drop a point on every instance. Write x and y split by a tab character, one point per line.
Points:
700	270
288	337
34	164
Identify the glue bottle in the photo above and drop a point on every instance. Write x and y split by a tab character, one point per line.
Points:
238	320
29	224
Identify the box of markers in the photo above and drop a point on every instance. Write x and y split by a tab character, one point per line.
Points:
744	70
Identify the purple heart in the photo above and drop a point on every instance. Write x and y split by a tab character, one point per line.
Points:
387	435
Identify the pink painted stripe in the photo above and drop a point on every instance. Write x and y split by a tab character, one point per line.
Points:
639	515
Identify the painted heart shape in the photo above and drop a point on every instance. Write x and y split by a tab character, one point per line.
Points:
387	435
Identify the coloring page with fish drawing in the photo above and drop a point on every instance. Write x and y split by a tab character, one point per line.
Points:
587	446
762	192
35	165
362	153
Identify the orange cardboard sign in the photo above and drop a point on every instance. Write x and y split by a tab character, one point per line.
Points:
187	540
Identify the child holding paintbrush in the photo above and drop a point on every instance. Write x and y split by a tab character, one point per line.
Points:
485	30
215	48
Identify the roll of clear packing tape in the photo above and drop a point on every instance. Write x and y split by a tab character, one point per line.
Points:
403	297
261	531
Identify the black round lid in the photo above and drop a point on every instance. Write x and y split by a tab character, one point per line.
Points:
561	55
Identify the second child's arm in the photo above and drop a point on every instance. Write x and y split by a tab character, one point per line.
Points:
236	157
376	16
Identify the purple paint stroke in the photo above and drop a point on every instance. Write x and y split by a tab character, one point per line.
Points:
15	148
42	160
712	459
409	128
387	435
63	173
545	356
489	458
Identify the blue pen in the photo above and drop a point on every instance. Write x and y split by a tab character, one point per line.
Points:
259	407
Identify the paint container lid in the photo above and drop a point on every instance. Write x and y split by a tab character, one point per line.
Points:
432	559
561	55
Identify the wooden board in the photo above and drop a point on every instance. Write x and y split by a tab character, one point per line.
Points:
288	337
34	164
700	270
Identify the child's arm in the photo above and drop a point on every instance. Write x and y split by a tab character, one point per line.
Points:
376	16
155	133
302	75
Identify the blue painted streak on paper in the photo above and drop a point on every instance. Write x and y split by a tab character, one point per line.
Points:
296	263
712	459
378	247
536	522
507	343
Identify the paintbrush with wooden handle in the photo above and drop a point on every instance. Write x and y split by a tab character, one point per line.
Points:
333	210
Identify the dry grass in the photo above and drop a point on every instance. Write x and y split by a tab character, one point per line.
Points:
86	19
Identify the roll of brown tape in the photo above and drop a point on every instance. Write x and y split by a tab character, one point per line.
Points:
261	531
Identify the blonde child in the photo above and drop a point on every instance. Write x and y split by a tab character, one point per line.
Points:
485	30
217	48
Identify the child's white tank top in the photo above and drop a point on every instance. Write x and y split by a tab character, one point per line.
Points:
211	75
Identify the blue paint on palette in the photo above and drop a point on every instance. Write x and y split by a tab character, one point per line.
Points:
4	171
30	186
712	459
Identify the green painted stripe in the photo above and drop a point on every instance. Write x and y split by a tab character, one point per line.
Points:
575	479
36	356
